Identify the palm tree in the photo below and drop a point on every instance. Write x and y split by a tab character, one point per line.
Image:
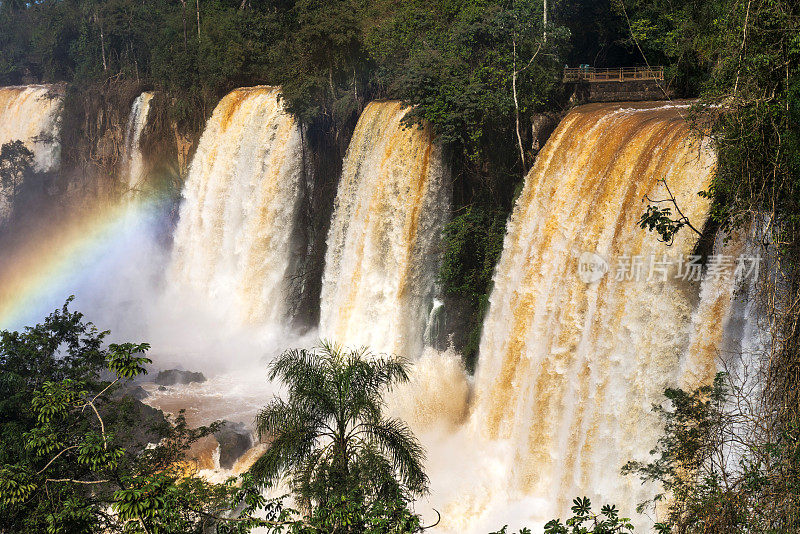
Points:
330	436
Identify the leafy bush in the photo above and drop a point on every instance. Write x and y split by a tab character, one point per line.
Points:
718	466
473	241
70	451
584	521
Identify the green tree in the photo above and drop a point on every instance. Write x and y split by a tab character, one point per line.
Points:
16	164
720	467
460	63
330	435
74	456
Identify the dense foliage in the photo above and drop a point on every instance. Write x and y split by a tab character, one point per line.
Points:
75	456
454	58
719	464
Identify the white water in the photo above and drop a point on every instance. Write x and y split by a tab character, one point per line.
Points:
31	114
233	240
568	370
383	244
134	163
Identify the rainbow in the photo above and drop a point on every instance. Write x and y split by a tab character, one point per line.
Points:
55	262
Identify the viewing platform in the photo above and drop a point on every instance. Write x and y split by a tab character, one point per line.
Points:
589	84
623	74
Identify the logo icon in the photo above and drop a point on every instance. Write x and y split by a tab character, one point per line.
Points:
591	267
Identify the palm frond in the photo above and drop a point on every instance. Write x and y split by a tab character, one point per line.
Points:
294	366
329	433
306	378
394	439
372	378
377	474
307	471
280	416
294	433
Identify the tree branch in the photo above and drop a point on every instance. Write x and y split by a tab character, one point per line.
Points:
683	218
77	481
438	520
39	472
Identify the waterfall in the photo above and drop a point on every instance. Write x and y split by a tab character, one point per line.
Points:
590	318
234	237
134	160
382	256
31	113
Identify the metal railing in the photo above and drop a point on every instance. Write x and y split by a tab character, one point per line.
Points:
625	74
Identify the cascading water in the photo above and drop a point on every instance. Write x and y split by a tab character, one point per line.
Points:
568	366
382	257
571	359
31	114
134	160
234	237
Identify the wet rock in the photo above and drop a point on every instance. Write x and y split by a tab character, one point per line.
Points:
234	440
170	377
542	125
133	423
202	452
132	390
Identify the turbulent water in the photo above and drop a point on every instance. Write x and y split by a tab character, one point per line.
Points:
234	236
134	160
382	257
572	359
